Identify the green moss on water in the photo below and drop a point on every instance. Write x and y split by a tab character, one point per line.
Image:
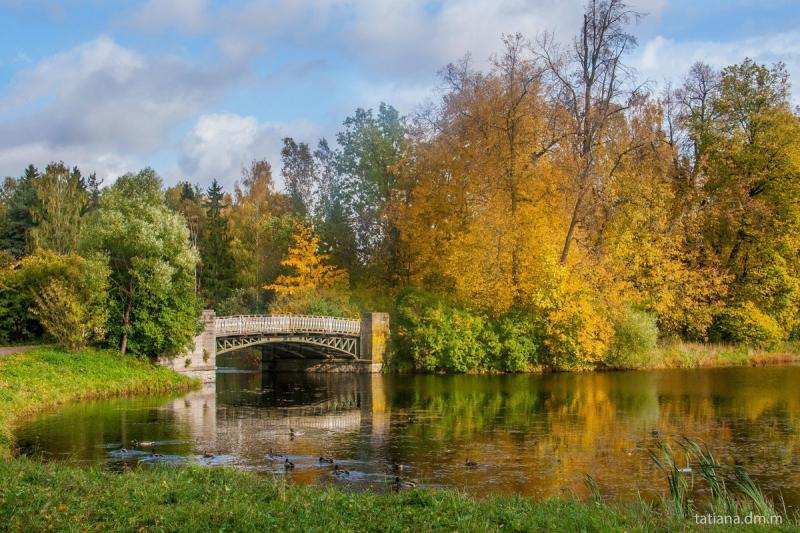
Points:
46	377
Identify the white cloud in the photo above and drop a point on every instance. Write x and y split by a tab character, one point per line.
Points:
221	144
102	104
190	16
663	59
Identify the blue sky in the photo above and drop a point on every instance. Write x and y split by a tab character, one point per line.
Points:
197	88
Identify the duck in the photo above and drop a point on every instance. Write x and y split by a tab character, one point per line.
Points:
399	484
469	463
397	468
341	472
287	464
272	456
326	460
208	455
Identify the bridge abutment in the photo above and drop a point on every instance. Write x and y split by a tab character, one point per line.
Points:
199	360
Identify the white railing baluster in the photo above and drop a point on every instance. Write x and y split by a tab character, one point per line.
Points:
253	324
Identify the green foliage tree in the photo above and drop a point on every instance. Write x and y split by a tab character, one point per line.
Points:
153	307
298	175
371	144
66	317
17	218
34	277
62	200
218	268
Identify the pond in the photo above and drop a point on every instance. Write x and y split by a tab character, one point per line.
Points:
537	435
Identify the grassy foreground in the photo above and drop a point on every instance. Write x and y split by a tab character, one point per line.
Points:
46	377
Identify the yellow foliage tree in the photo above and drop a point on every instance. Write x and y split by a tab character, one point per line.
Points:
308	268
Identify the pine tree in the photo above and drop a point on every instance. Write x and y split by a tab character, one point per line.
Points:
218	268
18	216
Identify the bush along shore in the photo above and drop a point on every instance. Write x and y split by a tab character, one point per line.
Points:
46	377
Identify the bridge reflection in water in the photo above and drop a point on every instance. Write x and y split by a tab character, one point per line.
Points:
246	414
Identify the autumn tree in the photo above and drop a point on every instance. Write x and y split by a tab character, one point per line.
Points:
593	84
305	267
260	225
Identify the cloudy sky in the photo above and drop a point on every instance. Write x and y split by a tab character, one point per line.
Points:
197	88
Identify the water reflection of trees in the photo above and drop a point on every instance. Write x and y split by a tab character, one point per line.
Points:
532	434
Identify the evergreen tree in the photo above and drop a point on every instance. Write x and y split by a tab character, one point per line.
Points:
18	214
218	267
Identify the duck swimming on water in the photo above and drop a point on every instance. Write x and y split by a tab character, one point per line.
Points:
287	464
341	472
400	483
326	460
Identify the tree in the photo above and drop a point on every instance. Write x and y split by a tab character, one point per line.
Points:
370	145
46	292
298	175
18	221
261	225
62	201
218	268
331	221
593	86
153	308
306	269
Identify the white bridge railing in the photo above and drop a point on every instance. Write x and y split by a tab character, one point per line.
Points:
251	324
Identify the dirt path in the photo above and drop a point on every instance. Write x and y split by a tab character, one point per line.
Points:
8	350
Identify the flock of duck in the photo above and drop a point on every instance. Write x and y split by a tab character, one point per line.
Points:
395	474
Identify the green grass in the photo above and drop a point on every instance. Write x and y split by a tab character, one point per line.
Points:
36	496
681	354
46	377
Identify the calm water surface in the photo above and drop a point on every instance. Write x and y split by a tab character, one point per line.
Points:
533	435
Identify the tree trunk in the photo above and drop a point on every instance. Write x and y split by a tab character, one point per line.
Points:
126	321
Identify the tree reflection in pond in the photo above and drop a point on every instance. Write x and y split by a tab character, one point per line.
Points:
534	435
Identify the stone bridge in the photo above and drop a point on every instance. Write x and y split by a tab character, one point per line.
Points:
289	343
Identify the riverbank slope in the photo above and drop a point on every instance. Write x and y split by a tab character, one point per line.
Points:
46	377
36	496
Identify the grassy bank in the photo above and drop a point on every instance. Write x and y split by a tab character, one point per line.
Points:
681	354
35	496
46	377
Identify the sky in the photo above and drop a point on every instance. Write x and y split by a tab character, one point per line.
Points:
196	89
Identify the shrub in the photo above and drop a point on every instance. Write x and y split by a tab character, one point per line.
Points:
66	317
635	338
517	343
747	324
87	280
437	334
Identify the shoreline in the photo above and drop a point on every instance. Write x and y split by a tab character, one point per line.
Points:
44	378
40	494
